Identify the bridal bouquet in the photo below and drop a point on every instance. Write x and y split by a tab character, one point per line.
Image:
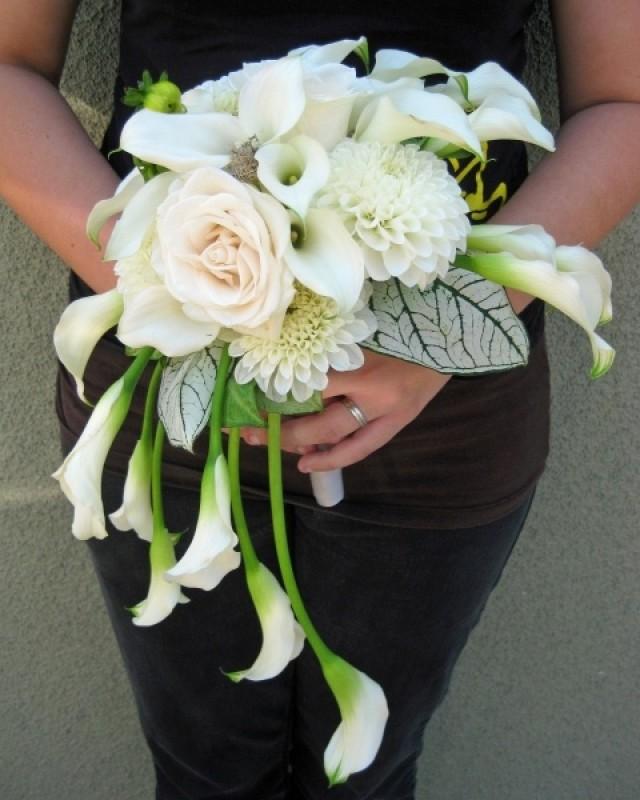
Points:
278	220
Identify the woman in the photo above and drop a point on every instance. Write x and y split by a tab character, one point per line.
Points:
468	534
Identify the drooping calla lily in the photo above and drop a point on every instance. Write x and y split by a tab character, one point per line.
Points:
163	596
573	279
135	512
80	474
210	556
282	636
364	711
411	113
81	325
326	259
270	103
293	171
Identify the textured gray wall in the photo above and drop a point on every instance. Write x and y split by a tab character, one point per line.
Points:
544	704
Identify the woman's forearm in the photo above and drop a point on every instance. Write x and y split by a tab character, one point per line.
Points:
51	174
588	185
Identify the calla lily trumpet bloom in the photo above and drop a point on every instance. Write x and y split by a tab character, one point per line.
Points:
81	325
282	636
163	596
413	113
294	171
210	556
326	259
135	512
80	474
364	712
572	279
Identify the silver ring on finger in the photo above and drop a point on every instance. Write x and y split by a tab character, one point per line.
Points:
356	412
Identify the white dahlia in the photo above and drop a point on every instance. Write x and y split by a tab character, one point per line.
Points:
402	207
315	337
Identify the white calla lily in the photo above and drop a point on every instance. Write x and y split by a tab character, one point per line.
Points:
364	711
80	474
81	325
487	79
393	64
523	241
574	280
332	53
131	230
293	172
282	636
272	100
154	318
502	116
105	209
162	596
410	113
135	512
182	142
327	260
210	556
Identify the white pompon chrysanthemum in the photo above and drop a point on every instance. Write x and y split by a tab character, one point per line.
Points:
315	337
401	205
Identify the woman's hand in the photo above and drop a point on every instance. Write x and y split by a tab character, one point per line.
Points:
390	392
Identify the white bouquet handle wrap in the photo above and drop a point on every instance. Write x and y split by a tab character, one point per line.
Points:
328	487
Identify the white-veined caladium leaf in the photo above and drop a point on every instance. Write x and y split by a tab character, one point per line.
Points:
184	399
462	325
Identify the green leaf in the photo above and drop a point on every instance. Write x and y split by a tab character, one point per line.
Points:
460	325
290	407
184	399
241	406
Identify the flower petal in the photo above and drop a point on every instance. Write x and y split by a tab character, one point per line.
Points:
182	142
131	229
502	116
80	474
153	318
364	712
135	512
162	596
81	325
393	64
328	262
210	556
410	113
523	241
327	121
331	53
272	100
105	209
282	637
294	172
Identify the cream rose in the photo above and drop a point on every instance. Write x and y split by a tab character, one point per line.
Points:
217	253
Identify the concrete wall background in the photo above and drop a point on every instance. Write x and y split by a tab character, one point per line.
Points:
544	704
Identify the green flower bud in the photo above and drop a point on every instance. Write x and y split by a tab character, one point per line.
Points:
164	96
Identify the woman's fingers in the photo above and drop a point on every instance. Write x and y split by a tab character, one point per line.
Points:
302	434
353	448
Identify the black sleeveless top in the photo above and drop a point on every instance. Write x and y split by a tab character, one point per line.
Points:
475	452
